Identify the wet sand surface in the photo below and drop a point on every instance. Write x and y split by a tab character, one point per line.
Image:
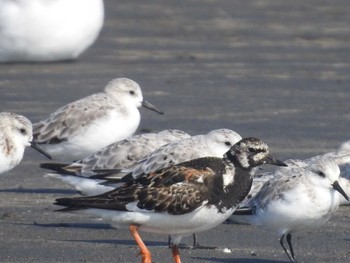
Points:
275	70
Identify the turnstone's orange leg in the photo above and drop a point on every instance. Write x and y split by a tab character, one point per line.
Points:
176	254
146	254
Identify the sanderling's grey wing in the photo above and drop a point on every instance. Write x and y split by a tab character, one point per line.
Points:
283	180
261	178
215	144
341	156
258	181
3	143
71	118
167	155
118	155
126	153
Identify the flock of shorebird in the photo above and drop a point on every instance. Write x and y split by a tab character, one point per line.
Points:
170	182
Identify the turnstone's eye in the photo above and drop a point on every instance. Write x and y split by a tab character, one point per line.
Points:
251	149
132	92
23	131
227	143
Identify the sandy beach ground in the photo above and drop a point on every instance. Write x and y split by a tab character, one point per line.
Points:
276	70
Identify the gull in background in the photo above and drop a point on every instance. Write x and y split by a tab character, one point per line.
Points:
48	30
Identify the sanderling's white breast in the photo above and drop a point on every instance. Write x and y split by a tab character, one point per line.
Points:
80	128
40	30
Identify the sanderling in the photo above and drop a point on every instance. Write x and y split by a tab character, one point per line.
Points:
295	199
80	128
118	155
215	144
341	157
178	200
36	30
15	135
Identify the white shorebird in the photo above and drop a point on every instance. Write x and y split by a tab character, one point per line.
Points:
118	155
80	128
15	136
296	199
182	199
341	157
215	143
48	30
86	175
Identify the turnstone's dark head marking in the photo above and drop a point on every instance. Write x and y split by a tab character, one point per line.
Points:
251	152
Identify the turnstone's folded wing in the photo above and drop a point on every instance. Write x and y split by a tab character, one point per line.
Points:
175	190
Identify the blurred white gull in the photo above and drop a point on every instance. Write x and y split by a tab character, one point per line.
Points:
48	30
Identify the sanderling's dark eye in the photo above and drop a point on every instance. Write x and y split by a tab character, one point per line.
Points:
227	143
321	174
23	131
132	92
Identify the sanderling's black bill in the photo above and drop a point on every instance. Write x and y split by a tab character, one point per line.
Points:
35	146
337	187
150	106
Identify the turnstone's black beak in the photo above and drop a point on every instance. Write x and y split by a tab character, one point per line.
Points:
270	160
35	146
150	106
337	187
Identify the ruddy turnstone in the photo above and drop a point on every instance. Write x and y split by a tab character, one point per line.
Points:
178	200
